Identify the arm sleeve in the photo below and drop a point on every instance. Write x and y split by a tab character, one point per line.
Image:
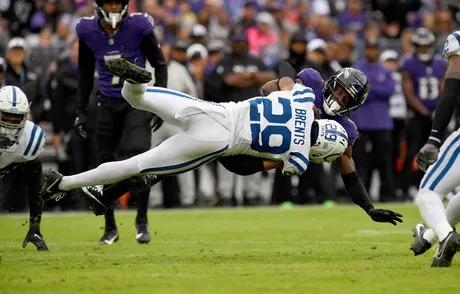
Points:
151	49
242	165
444	110
33	174
355	188
86	68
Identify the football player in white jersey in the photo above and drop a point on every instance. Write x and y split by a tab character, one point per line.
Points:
441	161
279	128
21	144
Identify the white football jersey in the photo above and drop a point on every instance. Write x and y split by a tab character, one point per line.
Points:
452	45
30	146
275	127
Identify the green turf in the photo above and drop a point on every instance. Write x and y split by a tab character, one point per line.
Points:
300	250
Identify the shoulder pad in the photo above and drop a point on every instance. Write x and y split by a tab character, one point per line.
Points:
34	141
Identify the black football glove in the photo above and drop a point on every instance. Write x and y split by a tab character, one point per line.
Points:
156	123
34	236
427	156
384	216
80	125
6	142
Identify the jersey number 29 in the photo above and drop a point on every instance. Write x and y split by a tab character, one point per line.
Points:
275	127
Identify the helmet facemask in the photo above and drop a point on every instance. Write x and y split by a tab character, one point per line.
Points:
112	18
337	99
12	124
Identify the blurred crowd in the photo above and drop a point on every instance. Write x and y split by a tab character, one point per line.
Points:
201	39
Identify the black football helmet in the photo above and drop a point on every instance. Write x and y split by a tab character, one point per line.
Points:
111	17
345	91
424	41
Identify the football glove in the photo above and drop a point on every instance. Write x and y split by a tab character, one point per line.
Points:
427	156
80	125
6	142
34	236
384	216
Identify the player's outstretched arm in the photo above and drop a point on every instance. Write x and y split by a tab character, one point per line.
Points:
33	174
358	193
444	110
151	49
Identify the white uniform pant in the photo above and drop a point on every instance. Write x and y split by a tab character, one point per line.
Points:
444	175
204	137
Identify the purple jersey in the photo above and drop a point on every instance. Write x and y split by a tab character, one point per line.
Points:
311	78
126	42
426	78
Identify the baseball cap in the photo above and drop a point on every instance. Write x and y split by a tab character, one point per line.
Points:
317	45
388	55
197	51
17	42
198	31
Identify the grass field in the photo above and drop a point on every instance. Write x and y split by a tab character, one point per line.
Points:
265	250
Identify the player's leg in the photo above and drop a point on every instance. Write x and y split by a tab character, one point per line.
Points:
136	139
204	140
165	103
107	140
441	178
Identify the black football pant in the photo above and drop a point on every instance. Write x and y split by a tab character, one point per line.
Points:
122	132
373	150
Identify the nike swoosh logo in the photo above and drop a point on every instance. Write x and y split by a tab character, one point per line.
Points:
110	241
139	235
48	189
37	236
441	250
87	192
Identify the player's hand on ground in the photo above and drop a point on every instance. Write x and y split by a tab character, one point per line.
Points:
35	237
156	123
427	156
384	216
80	125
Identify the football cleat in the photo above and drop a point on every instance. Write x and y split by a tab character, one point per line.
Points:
110	236
130	72
420	245
446	251
52	179
94	197
142	231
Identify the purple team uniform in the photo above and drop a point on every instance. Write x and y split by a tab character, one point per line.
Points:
311	78
126	42
426	78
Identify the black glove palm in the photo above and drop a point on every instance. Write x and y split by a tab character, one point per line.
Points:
80	125
384	216
427	156
34	236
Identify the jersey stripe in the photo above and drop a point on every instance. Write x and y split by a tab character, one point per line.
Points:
439	162
304	100
183	165
39	142
301	157
446	169
307	90
178	94
298	166
14	96
31	140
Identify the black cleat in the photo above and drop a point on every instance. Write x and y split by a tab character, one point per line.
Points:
446	251
94	197
143	182
51	186
130	72
142	232
110	236
420	245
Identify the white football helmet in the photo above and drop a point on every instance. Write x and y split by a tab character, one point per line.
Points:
331	142
14	110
